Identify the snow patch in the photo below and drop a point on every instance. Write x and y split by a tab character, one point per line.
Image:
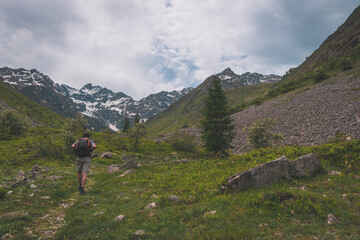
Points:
113	127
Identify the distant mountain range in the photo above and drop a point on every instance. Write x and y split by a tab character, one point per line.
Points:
231	80
103	107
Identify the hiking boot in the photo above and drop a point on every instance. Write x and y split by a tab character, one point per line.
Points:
79	186
82	191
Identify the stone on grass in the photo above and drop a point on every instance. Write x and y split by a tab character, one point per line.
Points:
280	168
151	206
333	173
119	218
211	213
32	186
331	219
7	236
113	168
174	198
53	177
45	197
18	214
154	196
139	232
126	173
31	195
107	155
129	163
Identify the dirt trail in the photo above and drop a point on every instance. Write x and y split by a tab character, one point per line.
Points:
46	226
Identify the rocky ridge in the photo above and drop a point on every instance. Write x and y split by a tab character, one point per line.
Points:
103	107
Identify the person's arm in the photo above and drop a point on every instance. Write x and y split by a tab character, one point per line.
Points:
92	145
73	146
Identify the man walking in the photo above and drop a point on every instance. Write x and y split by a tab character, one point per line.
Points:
83	148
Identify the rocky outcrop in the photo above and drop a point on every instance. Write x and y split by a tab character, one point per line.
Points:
277	169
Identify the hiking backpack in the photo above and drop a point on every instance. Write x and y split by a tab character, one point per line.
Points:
82	147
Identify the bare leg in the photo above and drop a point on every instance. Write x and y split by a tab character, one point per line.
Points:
83	180
79	178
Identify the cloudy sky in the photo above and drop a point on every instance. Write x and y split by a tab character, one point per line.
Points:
141	47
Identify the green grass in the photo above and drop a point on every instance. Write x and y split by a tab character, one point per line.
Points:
40	115
283	210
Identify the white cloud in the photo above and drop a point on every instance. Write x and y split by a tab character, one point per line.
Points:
142	47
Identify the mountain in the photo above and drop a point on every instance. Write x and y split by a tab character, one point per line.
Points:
39	88
314	102
103	107
232	80
240	89
111	108
37	114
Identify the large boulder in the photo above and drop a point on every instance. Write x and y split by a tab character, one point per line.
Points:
277	169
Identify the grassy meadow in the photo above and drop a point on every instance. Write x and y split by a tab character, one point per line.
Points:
49	206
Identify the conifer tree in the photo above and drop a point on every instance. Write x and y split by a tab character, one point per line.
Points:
126	126
137	118
217	125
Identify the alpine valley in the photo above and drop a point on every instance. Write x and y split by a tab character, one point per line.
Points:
102	107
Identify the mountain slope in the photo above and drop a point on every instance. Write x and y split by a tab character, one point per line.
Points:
38	114
310	110
39	88
241	89
102	107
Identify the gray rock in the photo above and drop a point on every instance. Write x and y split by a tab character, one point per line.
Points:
129	164
331	219
107	155
139	232
113	168
332	173
7	236
53	177
18	214
174	198
151	206
119	218
303	166
209	214
277	169
126	173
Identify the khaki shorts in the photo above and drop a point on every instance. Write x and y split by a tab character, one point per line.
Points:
83	164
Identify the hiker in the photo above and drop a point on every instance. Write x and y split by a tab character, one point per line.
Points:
83	148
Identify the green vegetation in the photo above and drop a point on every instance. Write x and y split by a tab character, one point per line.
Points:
217	126
185	112
183	142
294	209
136	132
39	115
126	126
12	124
260	133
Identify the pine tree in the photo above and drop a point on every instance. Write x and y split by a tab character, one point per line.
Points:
137	118
217	126
135	133
126	126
